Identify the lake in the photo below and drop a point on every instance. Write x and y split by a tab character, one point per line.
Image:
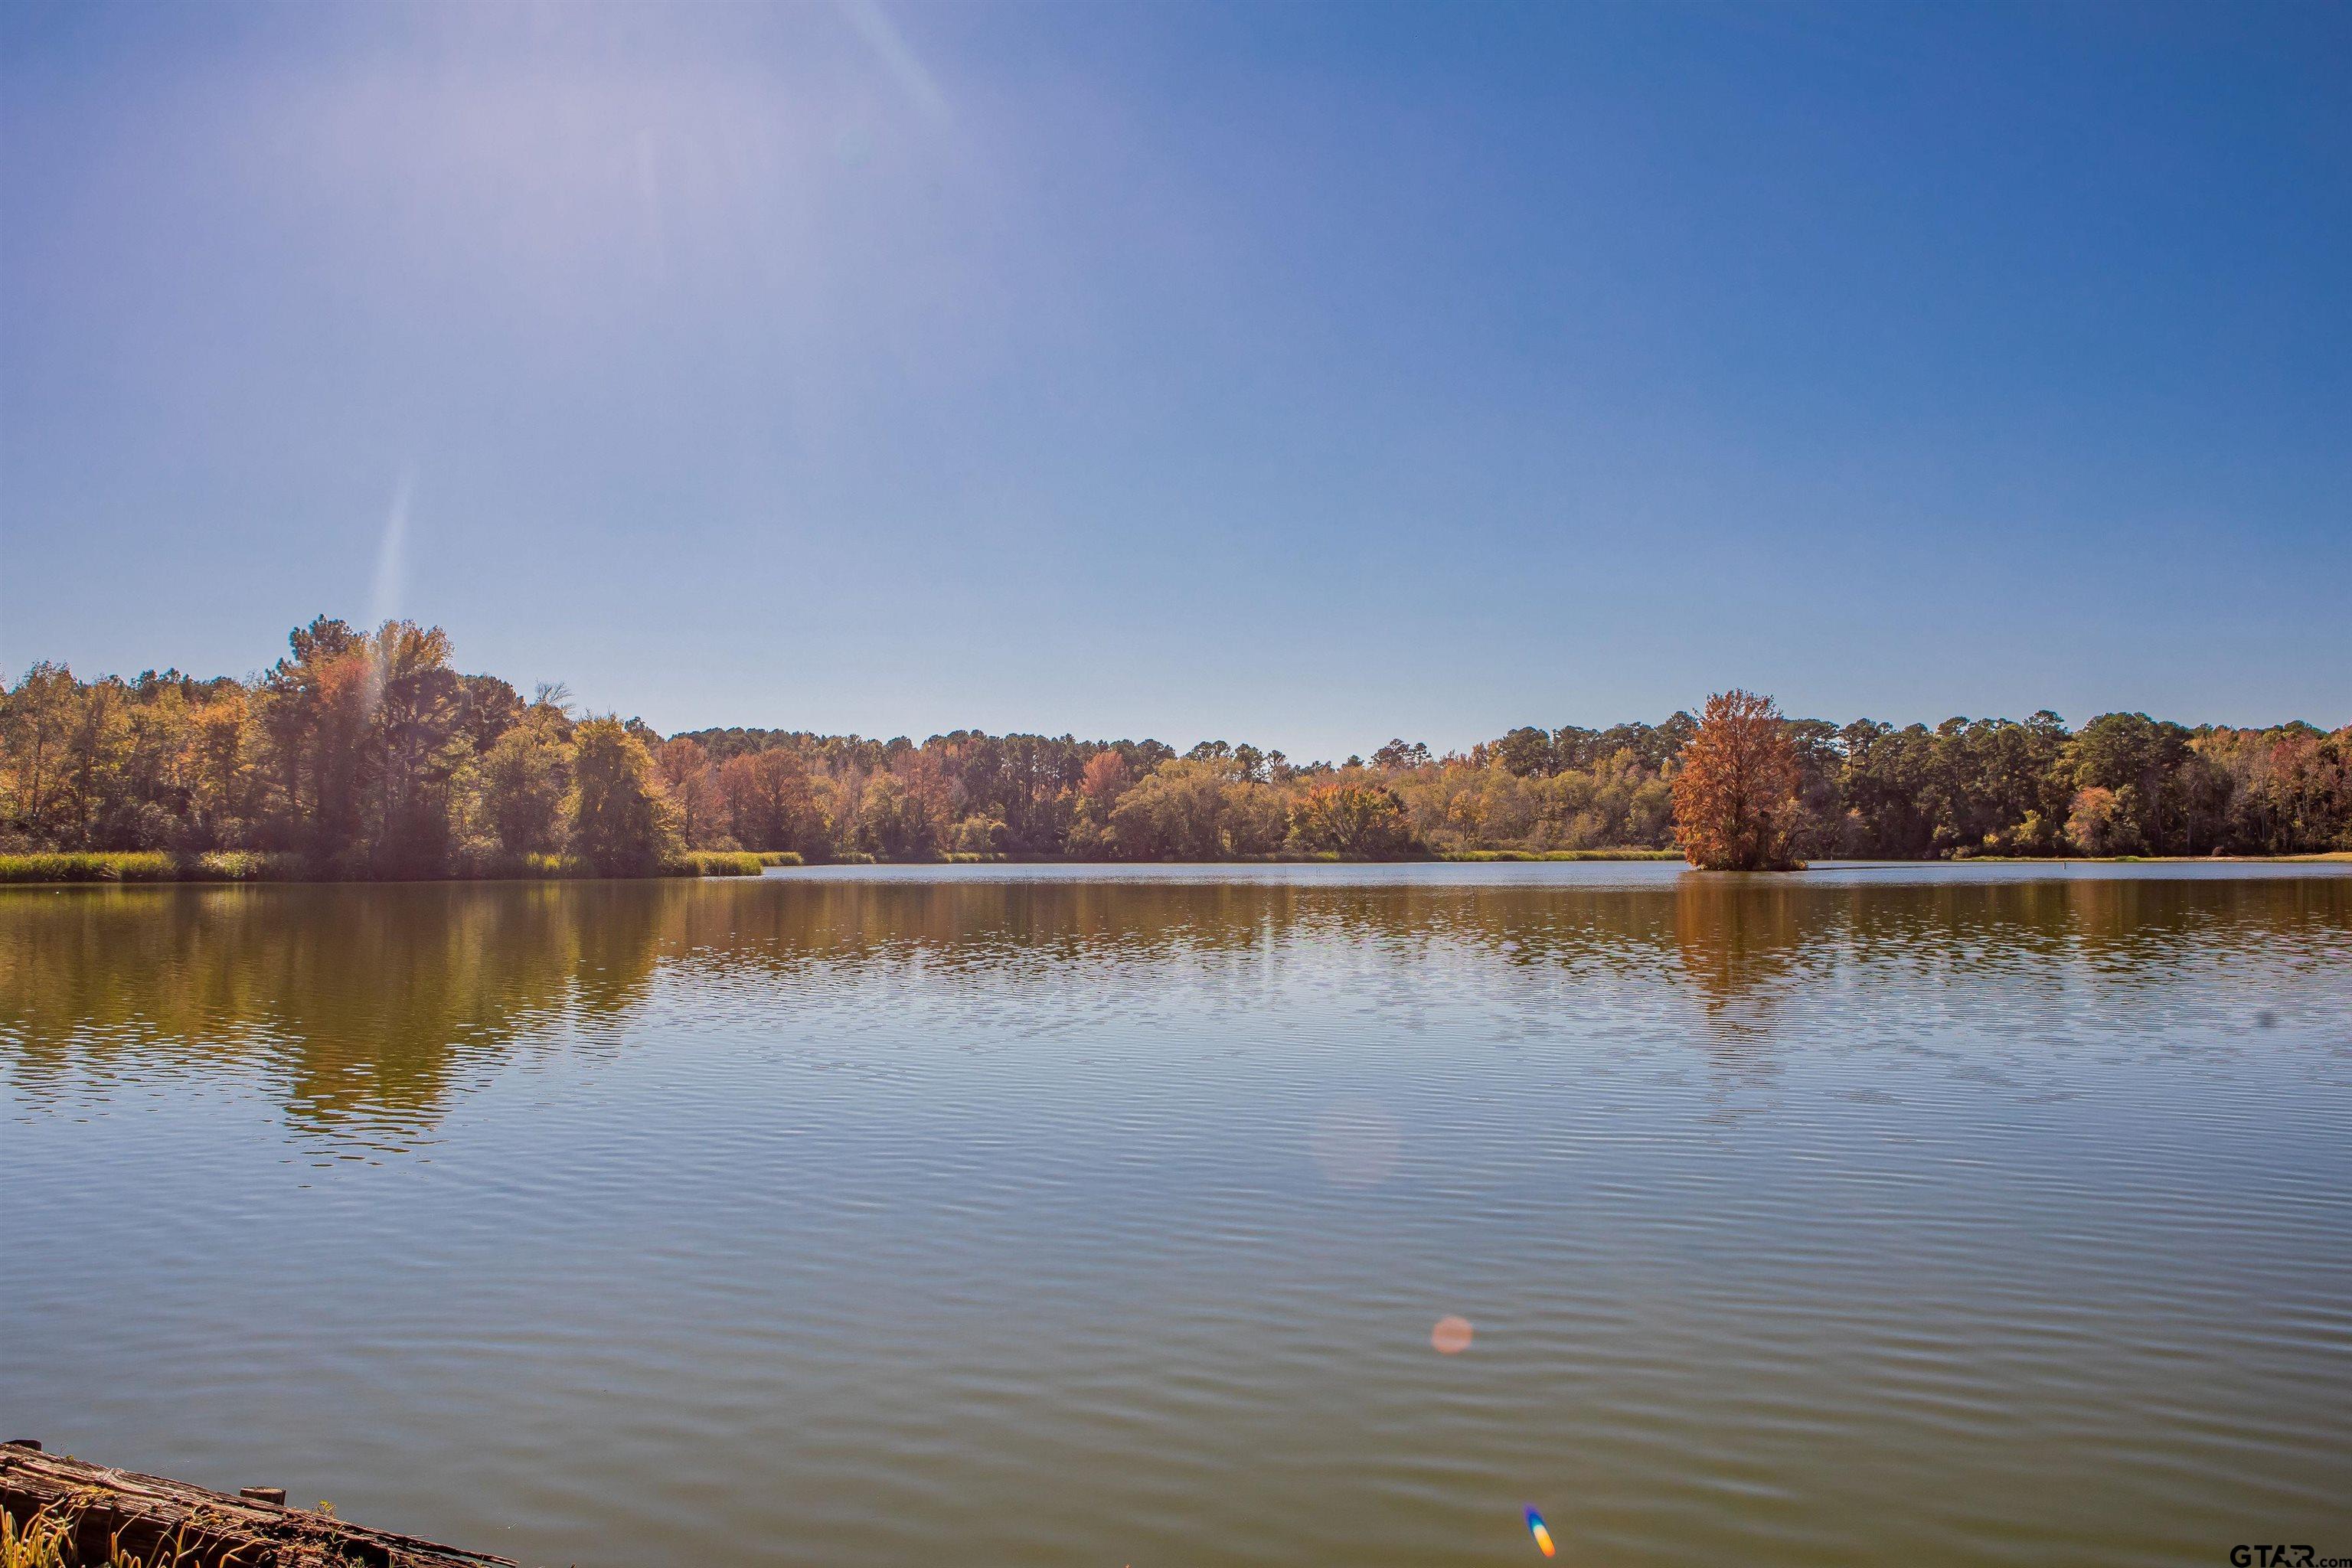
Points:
1090	1216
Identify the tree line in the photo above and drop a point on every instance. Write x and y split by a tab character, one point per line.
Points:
368	754
364	754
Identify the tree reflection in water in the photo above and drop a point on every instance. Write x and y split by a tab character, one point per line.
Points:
371	1005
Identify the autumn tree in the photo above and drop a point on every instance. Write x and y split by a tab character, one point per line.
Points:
95	752
769	802
224	768
524	780
39	715
934	794
1736	805
313	707
1200	809
1174	812
414	744
622	823
1104	779
893	823
1364	819
366	753
2101	822
1257	819
693	784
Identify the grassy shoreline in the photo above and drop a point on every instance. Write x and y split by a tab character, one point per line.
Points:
258	866
1481	856
2319	857
154	866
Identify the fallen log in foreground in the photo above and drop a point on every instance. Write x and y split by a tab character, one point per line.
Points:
98	1511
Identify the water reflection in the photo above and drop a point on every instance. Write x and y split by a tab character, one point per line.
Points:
374	1004
1738	937
370	1004
1326	1216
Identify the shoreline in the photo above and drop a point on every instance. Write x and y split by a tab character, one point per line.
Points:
63	1510
56	866
155	867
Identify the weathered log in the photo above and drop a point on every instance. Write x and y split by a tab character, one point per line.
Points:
192	1527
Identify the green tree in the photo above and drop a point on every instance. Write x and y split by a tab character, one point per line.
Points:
524	778
897	822
2141	762
979	835
1527	753
1400	755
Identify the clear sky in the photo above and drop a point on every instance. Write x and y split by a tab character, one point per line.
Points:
1299	374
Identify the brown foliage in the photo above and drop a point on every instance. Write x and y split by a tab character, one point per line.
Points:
1105	778
693	784
1736	805
769	802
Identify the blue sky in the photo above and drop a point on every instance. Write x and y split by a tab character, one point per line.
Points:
1302	374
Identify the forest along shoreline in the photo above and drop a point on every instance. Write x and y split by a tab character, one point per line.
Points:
368	755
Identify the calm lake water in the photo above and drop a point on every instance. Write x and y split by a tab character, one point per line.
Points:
1045	1216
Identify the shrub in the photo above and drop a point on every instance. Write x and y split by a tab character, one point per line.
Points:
979	835
244	866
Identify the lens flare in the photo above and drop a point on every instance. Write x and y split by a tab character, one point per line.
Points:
1543	1536
1451	1336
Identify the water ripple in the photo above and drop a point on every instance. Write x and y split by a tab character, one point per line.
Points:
1045	1215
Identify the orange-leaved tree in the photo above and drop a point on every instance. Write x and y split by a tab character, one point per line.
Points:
1353	819
1736	794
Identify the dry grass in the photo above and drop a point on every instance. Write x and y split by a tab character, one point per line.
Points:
1483	855
256	866
66	865
148	866
724	863
46	1541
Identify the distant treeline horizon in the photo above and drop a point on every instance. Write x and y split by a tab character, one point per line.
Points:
369	753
